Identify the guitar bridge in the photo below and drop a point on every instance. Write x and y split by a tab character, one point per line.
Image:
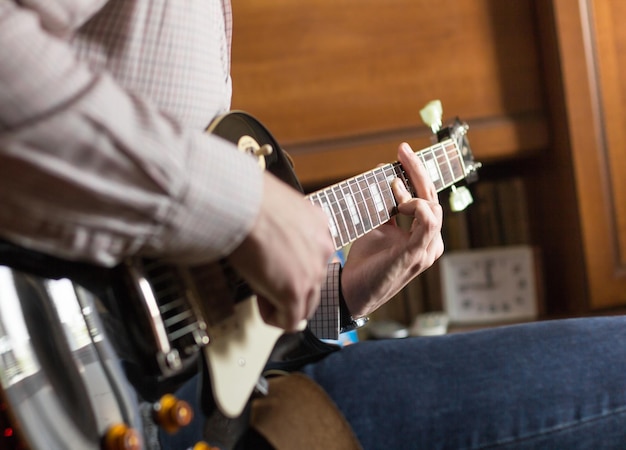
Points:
170	332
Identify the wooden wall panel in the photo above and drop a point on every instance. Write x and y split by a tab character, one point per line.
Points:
332	77
592	63
340	83
611	59
320	164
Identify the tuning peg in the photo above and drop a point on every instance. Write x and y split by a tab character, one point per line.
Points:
431	115
460	198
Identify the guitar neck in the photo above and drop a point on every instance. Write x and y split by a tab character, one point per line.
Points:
360	204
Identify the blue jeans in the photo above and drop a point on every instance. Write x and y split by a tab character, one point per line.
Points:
549	385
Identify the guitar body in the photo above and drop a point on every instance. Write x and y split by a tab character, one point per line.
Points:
61	382
62	385
238	126
243	341
81	345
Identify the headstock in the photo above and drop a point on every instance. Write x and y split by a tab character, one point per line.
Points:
431	114
457	131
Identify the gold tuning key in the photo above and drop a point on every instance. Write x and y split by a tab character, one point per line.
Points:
171	414
122	437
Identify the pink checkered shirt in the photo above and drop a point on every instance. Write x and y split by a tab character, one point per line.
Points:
102	151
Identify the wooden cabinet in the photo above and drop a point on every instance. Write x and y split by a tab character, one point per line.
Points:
340	83
582	225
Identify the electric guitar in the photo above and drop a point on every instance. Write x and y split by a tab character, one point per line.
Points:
62	384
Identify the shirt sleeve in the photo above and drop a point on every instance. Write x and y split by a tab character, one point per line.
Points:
325	323
91	172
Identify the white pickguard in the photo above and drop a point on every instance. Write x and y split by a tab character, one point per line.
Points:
237	354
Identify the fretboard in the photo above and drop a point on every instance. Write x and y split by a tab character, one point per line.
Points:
359	204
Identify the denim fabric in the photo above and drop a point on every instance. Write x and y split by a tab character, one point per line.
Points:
549	385
545	385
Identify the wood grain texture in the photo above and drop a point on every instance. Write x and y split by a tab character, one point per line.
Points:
594	116
325	74
340	84
611	60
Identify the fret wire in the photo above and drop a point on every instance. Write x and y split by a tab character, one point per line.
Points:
434	177
397	171
376	194
365	211
401	174
369	200
452	162
451	146
459	160
441	174
332	221
355	202
350	228
336	209
315	199
382	205
393	171
365	194
379	199
446	155
442	148
387	194
423	159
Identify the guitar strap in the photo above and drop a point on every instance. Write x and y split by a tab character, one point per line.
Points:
297	413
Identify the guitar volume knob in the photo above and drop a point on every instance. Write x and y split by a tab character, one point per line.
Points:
122	437
204	446
171	413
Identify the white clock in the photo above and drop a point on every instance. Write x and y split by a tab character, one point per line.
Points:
488	285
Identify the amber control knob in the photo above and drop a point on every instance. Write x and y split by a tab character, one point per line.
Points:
122	437
204	446
172	414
